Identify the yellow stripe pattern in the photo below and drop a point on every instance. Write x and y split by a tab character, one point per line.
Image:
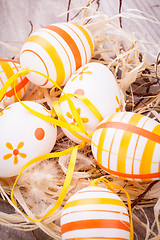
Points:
124	144
87	201
101	141
9	68
63	53
148	153
88	37
129	154
95	211
52	52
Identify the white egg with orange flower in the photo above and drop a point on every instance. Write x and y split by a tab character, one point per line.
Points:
97	84
24	136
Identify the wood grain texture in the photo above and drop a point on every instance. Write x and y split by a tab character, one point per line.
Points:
16	14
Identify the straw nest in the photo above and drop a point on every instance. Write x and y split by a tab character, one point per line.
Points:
137	71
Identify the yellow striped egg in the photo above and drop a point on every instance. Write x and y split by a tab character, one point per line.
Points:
7	69
95	213
96	83
127	145
57	51
24	136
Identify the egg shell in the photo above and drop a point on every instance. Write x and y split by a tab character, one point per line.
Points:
127	145
95	213
24	136
57	51
97	83
7	69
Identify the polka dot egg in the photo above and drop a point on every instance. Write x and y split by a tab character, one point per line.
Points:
57	51
95	213
24	136
7	69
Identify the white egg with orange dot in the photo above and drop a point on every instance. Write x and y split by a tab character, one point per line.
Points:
24	136
97	83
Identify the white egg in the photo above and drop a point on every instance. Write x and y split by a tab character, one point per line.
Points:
97	83
57	51
127	145
24	136
95	213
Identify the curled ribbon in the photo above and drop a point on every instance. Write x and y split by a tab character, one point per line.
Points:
110	186
76	130
73	152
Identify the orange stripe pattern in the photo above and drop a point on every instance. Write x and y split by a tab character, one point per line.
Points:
135	149
7	69
57	51
84	217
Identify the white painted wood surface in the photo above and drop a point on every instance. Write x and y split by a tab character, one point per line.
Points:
14	29
16	14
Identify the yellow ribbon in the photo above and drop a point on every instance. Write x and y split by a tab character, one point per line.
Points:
11	80
74	129
110	186
73	152
62	123
90	106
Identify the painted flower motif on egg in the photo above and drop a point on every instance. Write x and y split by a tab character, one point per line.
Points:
81	73
127	145
15	152
84	120
96	82
23	137
95	213
7	69
57	51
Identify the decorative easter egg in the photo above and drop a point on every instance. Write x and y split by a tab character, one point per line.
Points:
96	83
7	69
57	51
127	145
95	213
24	136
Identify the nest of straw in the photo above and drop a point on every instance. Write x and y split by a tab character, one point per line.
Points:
137	71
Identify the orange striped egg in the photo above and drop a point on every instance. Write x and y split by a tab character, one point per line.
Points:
7	69
95	213
127	145
57	51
